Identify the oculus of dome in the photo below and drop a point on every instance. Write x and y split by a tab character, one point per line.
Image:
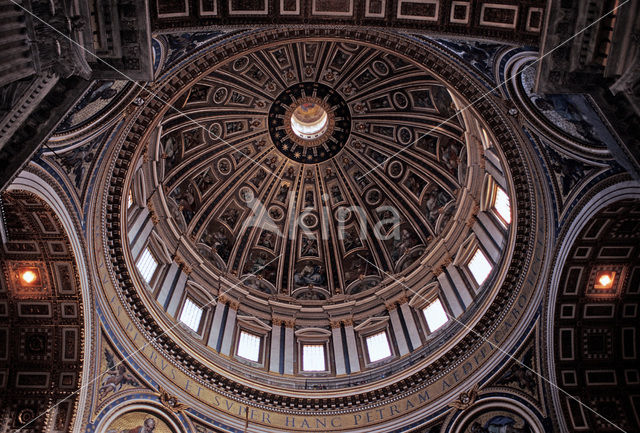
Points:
309	122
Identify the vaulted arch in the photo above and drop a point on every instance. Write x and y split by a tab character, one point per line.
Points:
594	316
42	330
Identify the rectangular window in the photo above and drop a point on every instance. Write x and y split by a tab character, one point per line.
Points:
502	206
147	265
313	357
191	314
378	347
249	346
435	315
479	266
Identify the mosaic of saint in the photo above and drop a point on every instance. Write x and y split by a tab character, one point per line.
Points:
497	421
138	422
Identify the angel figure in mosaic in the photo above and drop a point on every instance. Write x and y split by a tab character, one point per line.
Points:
115	377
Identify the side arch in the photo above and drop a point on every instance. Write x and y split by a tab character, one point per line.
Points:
47	190
599	202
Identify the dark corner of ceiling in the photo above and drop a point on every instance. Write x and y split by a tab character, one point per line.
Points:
49	56
17	149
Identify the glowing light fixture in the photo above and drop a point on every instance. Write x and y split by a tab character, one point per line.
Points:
28	276
604	280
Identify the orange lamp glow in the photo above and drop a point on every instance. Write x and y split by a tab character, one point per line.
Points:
604	280
28	276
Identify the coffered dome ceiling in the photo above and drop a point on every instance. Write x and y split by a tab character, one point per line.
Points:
318	186
319	216
316	216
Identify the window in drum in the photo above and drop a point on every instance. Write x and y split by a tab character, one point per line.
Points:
147	265
479	266
191	314
378	347
249	346
435	315
313	357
